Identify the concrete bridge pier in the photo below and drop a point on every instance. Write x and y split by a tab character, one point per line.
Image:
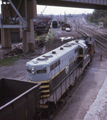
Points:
29	39
5	38
26	11
5	32
28	36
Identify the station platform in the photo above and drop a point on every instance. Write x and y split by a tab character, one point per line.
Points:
98	110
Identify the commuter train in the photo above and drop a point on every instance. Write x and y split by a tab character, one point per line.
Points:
60	68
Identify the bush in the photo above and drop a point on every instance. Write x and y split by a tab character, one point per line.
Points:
98	16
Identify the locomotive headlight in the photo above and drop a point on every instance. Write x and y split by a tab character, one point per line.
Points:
33	70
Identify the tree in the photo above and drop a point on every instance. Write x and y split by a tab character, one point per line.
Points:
98	16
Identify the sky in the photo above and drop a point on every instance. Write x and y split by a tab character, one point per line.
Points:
61	10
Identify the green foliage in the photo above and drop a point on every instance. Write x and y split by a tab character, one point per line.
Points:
41	37
51	34
35	35
9	61
50	40
98	16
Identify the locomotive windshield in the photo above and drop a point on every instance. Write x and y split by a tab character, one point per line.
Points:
41	71
80	51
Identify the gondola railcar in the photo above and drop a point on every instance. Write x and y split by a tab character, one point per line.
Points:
19	100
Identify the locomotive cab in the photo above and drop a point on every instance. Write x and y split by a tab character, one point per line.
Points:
80	58
37	73
83	50
37	69
91	45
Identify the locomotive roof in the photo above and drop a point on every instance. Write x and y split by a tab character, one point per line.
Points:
57	53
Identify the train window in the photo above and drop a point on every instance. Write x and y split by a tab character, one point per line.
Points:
29	70
52	67
56	64
59	62
41	71
80	51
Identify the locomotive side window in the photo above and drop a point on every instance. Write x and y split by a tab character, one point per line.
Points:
41	71
54	65
59	62
80	51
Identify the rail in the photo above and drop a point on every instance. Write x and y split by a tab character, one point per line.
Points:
97	34
100	44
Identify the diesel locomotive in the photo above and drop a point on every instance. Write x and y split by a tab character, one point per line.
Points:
60	68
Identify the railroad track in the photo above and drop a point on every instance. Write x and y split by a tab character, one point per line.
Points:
100	39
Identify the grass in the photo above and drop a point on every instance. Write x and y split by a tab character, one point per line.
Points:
41	37
50	40
44	37
9	61
51	33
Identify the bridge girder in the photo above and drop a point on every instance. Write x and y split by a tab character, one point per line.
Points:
70	3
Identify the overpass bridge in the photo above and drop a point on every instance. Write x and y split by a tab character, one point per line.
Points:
95	4
26	11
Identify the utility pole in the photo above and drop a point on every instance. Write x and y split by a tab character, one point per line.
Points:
65	16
